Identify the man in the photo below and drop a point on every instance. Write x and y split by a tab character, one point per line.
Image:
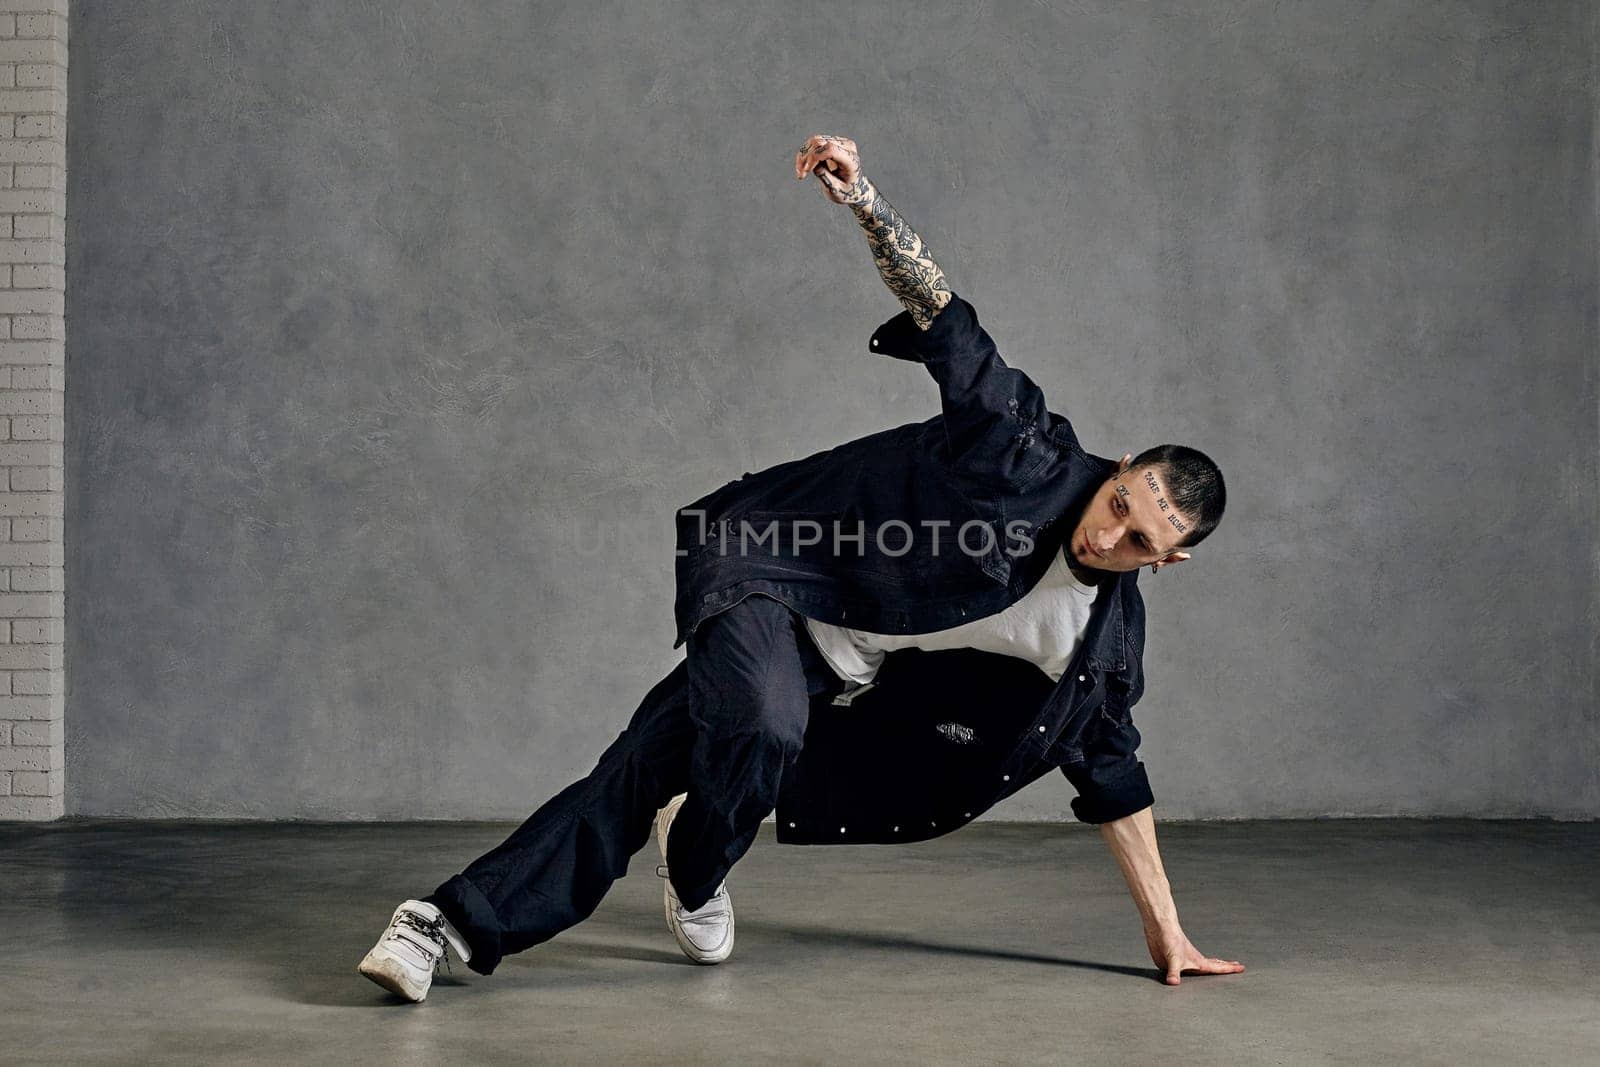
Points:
883	640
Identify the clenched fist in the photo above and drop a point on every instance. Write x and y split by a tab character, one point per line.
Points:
837	166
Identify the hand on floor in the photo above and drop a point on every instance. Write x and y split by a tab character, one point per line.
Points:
1175	954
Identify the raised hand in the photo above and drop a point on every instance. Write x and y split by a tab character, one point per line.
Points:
901	257
837	166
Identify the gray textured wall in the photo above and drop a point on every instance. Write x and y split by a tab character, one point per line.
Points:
375	310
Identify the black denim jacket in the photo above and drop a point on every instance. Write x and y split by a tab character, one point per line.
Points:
943	735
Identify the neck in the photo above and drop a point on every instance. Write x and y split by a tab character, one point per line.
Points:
1087	577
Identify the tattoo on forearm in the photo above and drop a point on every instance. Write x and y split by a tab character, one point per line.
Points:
907	267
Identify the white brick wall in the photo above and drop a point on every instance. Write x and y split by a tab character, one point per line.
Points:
33	211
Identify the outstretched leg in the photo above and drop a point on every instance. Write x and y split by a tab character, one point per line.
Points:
553	870
721	726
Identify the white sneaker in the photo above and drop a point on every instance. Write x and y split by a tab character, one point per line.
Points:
705	935
408	954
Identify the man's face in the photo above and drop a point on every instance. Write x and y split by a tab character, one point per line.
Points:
1128	524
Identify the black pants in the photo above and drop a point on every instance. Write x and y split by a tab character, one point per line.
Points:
721	726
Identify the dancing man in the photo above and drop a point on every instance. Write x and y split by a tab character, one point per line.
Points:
884	640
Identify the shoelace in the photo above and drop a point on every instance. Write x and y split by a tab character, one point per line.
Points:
433	930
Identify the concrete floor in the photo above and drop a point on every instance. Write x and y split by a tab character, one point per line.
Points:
1425	942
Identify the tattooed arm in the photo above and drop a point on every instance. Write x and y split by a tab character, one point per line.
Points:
1000	435
904	261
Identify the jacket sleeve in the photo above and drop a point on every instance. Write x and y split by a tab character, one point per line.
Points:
1110	779
997	425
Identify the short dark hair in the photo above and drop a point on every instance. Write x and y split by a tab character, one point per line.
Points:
1194	485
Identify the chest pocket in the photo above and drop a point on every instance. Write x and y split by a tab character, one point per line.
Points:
982	537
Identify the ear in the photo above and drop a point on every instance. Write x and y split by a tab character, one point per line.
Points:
1122	464
1169	560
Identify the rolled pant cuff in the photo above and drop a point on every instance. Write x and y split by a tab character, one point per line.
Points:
470	912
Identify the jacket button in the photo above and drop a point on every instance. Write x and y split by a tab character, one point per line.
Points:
1003	778
897	829
791	826
966	815
841	829
1041	729
874	342
1083	677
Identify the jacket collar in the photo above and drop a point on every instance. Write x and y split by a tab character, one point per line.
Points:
1104	641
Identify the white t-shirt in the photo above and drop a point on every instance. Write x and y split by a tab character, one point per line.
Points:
1044	628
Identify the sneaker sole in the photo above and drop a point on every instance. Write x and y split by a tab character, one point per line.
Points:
391	975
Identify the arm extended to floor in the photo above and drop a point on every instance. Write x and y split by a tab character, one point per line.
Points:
1132	840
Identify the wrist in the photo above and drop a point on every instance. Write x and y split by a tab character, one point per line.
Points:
1162	921
1159	917
1153	897
860	196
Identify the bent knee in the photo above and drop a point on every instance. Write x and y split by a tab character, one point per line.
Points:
781	724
